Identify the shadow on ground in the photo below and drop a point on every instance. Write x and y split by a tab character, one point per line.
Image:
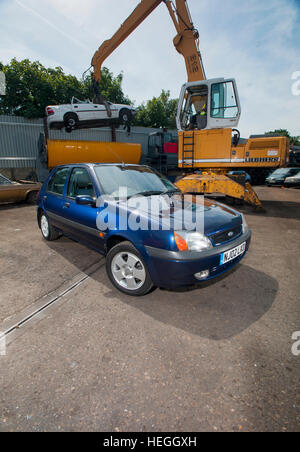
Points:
276	209
217	310
18	205
77	254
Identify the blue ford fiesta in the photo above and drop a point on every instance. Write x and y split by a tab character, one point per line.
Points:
149	232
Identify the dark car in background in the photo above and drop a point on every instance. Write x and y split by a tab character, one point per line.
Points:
241	173
278	176
139	259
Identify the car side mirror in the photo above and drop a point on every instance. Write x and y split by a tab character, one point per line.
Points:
85	200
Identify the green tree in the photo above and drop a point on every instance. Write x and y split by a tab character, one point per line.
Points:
158	112
110	87
285	133
31	87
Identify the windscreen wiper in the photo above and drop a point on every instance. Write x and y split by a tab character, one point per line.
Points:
149	193
171	192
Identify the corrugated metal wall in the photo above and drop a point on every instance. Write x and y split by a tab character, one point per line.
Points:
19	137
18	142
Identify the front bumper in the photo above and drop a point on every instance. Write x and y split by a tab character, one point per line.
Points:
275	182
171	269
292	184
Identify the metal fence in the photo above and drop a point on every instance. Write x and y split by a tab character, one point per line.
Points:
18	142
19	138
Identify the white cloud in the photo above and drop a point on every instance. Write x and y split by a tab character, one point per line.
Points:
253	41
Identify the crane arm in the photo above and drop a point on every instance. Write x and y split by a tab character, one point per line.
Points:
140	13
186	41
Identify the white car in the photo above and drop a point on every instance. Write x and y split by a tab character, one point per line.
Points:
293	181
80	114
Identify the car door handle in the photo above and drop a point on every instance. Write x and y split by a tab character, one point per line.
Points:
67	205
44	198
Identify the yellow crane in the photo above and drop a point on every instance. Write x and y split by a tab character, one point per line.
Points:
208	113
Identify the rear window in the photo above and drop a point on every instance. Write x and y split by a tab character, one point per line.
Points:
57	182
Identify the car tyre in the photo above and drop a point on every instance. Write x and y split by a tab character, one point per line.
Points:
125	115
70	121
127	270
48	232
32	197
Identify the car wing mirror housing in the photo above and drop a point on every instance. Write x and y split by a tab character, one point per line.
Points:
85	200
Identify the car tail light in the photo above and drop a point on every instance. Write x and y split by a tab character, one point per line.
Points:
49	111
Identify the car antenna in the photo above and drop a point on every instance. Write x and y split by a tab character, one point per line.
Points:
117	155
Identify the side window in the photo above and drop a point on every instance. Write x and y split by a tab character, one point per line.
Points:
80	183
57	183
223	101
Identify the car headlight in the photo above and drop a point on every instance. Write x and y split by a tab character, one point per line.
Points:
245	225
191	241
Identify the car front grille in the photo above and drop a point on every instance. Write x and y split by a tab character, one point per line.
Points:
226	236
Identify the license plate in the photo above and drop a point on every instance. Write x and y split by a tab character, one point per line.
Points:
233	253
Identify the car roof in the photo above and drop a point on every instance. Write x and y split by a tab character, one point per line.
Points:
287	168
71	165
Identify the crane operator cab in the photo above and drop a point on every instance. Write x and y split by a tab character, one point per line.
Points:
208	104
208	111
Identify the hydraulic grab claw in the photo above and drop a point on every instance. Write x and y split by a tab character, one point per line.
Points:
99	99
212	182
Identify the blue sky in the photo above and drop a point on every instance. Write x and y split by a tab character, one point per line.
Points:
255	41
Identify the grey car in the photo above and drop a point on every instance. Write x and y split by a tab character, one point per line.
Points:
278	176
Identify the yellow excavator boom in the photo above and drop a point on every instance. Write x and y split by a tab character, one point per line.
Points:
207	147
186	41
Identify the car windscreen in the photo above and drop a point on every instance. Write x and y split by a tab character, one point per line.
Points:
297	175
281	171
136	180
4	181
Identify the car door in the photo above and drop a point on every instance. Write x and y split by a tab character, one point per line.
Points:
80	220
54	197
99	112
87	111
9	191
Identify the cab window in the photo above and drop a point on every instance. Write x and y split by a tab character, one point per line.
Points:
223	101
80	183
57	182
